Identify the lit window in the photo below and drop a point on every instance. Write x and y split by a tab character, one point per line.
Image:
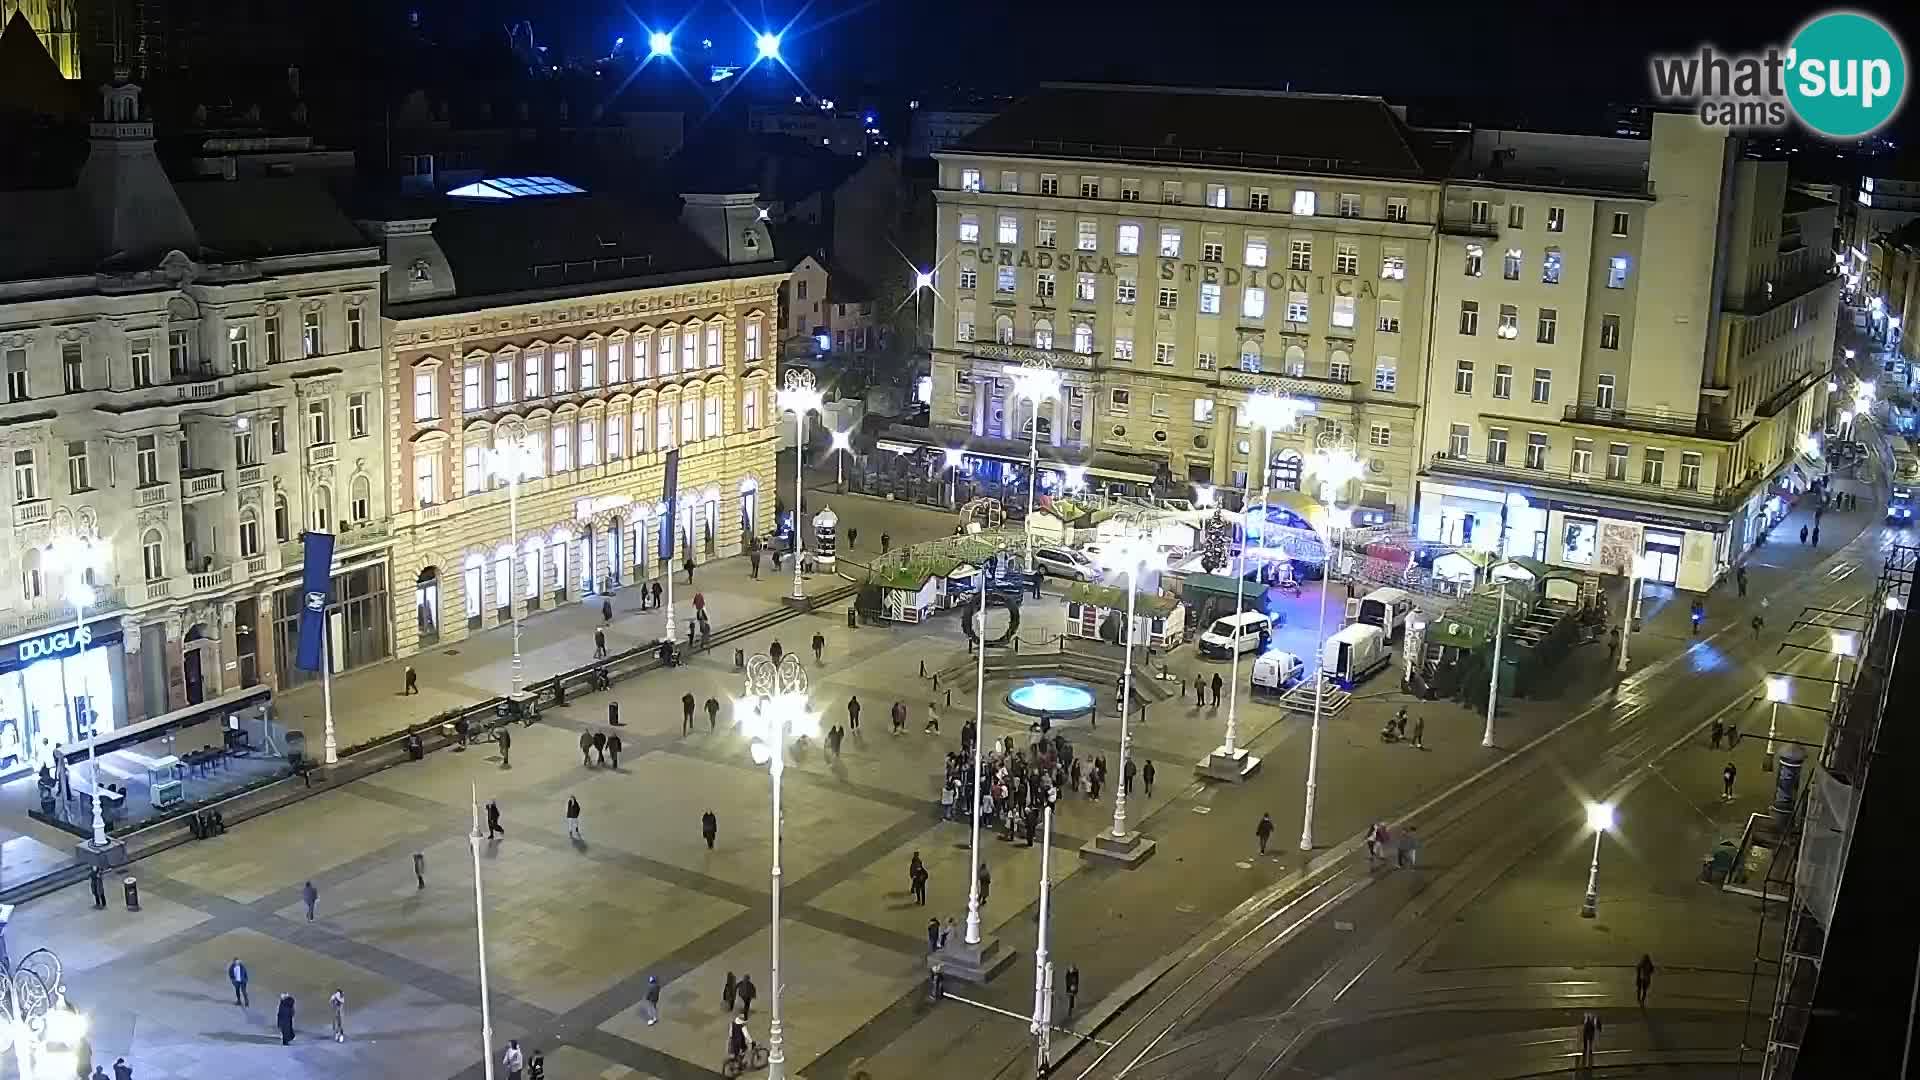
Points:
1297	307
1617	272
1006	279
1217	196
472	393
1385	375
1203	410
1346	259
1603	392
1089	236
562	448
1250	356
1169	242
423	404
310	334
715	332
969	229
689	351
1397	210
1556	219
1043	285
1160	404
1457	442
711	421
1550	267
1009	181
1164	353
1253	304
753	339
969	278
1009	229
1042	334
239	354
1045	232
1084	287
1343	311
1125	290
357	409
1082	338
1536	450
1256	253
1509	327
1510	266
530	367
1393	264
502	381
426	477
1303	203
1128	241
1123	345
1209	299
1476	256
969	179
667	347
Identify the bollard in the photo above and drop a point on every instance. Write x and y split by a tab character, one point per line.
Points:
132	888
923	669
936	680
853	619
949	699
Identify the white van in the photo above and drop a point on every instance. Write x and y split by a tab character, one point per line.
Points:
1276	670
1387	609
1351	655
1246	632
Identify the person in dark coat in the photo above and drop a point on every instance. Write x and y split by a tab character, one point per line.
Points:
586	749
237	975
606	615
1073	986
599	644
600	746
933	935
713	713
853	713
613	748
97	882
656	594
286	1019
505	738
726	991
1146	777
709	828
747	992
1264	831
493	820
1218	685
686	714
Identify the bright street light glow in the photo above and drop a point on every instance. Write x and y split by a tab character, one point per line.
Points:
64	1027
955	457
1846	417
769	46
1893	603
923	279
1131	555
1036	384
1074	478
800	399
1849	356
1843	643
1203	494
1833	385
660	43
1600	816
843	440
1275	411
1809	446
1893	322
1779	688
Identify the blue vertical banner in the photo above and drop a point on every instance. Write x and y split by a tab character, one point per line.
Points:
673	506
316	590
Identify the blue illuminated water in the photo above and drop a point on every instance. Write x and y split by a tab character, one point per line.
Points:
1054	699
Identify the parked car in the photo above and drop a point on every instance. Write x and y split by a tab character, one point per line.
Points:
1249	631
1276	670
1064	563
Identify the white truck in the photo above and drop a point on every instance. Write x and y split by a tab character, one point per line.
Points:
1355	653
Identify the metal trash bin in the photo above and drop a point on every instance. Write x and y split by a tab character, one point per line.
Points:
131	888
853	619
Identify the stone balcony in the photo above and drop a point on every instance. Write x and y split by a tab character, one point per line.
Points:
322	453
197	484
32	513
249	475
1287	385
152	494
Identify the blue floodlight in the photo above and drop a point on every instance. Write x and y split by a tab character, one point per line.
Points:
769	46
660	43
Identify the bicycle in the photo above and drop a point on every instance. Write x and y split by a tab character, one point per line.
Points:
754	1058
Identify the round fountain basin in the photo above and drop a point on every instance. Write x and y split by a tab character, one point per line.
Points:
1050	699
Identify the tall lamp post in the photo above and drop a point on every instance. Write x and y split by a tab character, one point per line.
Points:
1635	581
514	462
77	558
480	932
1335	466
979	731
1779	689
774	710
842	446
1493	679
1842	645
1269	412
1036	381
1132	556
798	394
1600	820
1042	1026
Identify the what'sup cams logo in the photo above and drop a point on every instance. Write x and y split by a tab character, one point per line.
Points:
1843	76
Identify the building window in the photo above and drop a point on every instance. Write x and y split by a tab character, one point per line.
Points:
1689	461
1130	190
1003	329
1043	285
665	357
178	351
1217	196
272	325
1653	466
1259	199
502	381
1164	353
1253	304
1159	404
239	349
1536	450
1207	361
590	438
1084	288
1393	264
1009	232
1089	187
1173	191
1550	267
1617	461
1610	331
1582	457
1203	410
1397	210
1249	356
1213	251
615	425
1510	266
1009	181
1620	223
423	404
1123	345
969	229
1385	375
79	476
969	279
1340	367
472	396
249	535
1343	311
1603	392
1298	310
1082	338
689	352
1388	321
360	499
1169	299
689	419
1509	327
1045	231
17	389
1042	334
1457	442
1127	239
1209	299
1617	272
1088	238
1300	255
1516	216
530	368
426	477
310	334
1349	205
1126	290
1496	446
146	460
1379	435
753	340
963	326
1556	219
356	328
1303	203
152	560
1049	184
1169	242
1119	401
319	423
282	520
616	363
243	449
1479	212
357	415
1346	259
1503	381
1463	376
969	179
1542	385
1006	279
1469	317
589	366
1548	325
1476	256
473	463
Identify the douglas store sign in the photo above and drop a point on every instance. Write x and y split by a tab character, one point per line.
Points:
58	644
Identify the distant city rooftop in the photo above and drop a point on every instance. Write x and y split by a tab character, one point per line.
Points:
515	187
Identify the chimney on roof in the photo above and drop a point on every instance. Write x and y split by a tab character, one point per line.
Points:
733	226
137	215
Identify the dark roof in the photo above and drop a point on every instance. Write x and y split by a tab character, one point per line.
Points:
1799	202
1235	128
259	218
30	81
46	234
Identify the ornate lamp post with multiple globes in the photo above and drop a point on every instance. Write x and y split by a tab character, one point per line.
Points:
798	395
1132	555
1037	382
1333	466
514	460
77	558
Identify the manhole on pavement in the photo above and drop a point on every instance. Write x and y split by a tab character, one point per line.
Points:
1203	809
1244	865
1185	909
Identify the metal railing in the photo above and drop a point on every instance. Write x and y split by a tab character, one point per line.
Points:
1699	425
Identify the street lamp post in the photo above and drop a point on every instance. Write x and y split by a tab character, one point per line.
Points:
1634	584
513	462
1493	679
76	557
1132	555
842	446
480	932
1042	1026
1779	689
775	709
799	395
979	732
1036	381
1842	645
1599	819
1336	465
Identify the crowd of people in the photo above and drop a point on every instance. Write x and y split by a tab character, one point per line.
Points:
1019	784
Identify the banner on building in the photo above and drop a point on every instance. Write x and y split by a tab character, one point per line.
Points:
316	589
673	505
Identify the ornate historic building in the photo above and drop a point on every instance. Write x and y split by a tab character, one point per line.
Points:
56	23
538	330
192	376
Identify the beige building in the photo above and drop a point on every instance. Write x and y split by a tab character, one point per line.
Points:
1171	252
1631	339
193	377
598	337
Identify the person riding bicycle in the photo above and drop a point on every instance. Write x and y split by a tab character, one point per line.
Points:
738	1040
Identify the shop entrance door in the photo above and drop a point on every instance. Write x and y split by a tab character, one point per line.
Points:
1663	556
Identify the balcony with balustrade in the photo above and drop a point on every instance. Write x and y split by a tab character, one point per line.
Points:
32	512
199	484
1697	426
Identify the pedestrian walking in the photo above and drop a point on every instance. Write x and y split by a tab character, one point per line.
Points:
775	651
1643	978
853	713
1264	831
1218	683
899	714
493	820
753	563
237	975
747	993
1146	777
653	1000
1759	623
1410	848
709	828
514	1060
413	682
1419	733
688	567
1589	1032
122	1070
886	543
573	819
1726	779
853	539
713	714
1199	691
1803	534
918	878
1072	986
505	738
819	646
933	935
986	883
1716	732
726	991
586	749
686	714
537	1065
420	868
1740	580
285	1017
309	896
339	1003
656	593
600	747
599	644
613	748
1816	536
1126	777
97	882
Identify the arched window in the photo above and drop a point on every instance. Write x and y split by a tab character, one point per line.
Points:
1286	470
322	518
282	519
361	494
426	604
1082	337
1003	329
1043	333
1250	356
33	583
1296	360
249	534
151	557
